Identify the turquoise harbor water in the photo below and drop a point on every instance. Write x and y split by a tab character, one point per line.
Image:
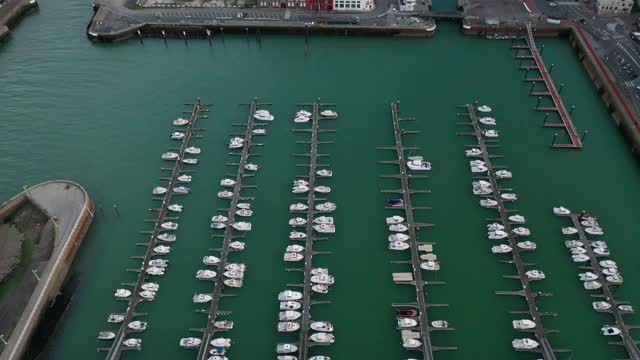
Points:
100	115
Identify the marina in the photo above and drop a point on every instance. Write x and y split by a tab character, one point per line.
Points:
139	292
602	274
406	312
505	228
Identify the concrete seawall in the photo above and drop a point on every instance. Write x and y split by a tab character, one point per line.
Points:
70	208
11	12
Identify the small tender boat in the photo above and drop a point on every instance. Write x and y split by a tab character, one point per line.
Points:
594	231
509	196
202	298
289	295
323	279
561	211
190	343
326	207
440	324
323	220
193	150
225	194
219	218
177	135
244	212
609	330
132	343
288	326
294	248
398	237
497	235
580	258
223	324
175	208
170	156
251	167
325	228
297	221
324	173
503	174
329	114
158	190
181	190
180	122
487	120
488	203
286	348
221	342
237	245
398	228
495	226
592	285
259	131
227	182
523	324
150	286
115	318
473	152
320	288
527	245
234	283
396	203
398	245
298	207
430	265
484	109
137	325
322	189
106	335
289	315
600	305
299	189
290	305
411	343
218	226
242	226
297	235
406	322
159	263
189	161
291	256
323	338
535	275
490	133
625	308
501	249
521	231
205	274
419	165
233	274
569	230
517	219
162	249
524	344
587	276
396	219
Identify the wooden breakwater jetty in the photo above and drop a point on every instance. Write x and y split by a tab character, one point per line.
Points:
11	11
244	169
415	336
507	227
133	297
602	275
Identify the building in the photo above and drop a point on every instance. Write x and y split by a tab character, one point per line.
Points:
285	4
354	5
614	7
319	5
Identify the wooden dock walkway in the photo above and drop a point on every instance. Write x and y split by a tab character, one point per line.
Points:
608	291
525	290
550	90
415	277
229	236
115	351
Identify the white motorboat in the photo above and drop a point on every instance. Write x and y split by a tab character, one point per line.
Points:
503	174
594	231
320	288
407	322
473	152
614	279
132	343
326	207
497	235
599	243
259	131
322	189
527	245
488	203
181	190
481	183
578	250
242	226
592	285
398	245
251	167
115	318
625	308
587	276
162	263
325	279
495	226
223	324
236	140
524	344
325	228
573	244
419	165
411	343
189	161
218	225
569	230
324	173
509	196
521	231
235	267
323	220
225	194
162	250
263	116
487	120
237	245
234	274
303	113
398	237
180	122
190	343
589	223
244	212
291	257
601	251
137	325
289	315
221	342
122	293
170	156
490	133
151	286
298	221
430	265
517	219
193	150
288	326
289	295
297	235
234	283
440	324
600	305
300	182
156	271
477	163
290	305
484	109
205	274
610	271
177	135
482	190
535	275
322	338
175	208
227	182
286	348
106	335
609	330
202	298
501	249
158	190
396	219
298	207
608	264
294	248
301	119
523	324
167	237
580	258
329	114
318	271
561	211
398	228
219	218
324	326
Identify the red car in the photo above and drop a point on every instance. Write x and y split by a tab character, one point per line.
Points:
406	313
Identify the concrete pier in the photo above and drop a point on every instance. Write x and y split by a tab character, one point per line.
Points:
11	12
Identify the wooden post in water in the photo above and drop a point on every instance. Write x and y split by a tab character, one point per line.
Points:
539	100
140	37
208	36
571	111
541	49
115	208
551	69
555	136
546	116
222	33
584	135
526	72
164	38
184	35
306	40
560	90
533	84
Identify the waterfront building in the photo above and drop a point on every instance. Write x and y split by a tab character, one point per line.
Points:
285	4
614	7
353	5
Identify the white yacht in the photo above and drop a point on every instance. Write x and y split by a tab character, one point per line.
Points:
159	263
170	156
218	225
324	326
227	182
301	119
298	221
137	325
487	120
189	161
242	226
573	243
221	342
482	190
497	235
322	189
106	335
523	324
294	248
614	279
398	245
561	211
594	231
225	194
237	245
608	264
326	207
202	298
205	274
592	285
166	237
601	251
289	295
235	267
490	133
610	271
177	135
323	338
479	169
288	326
473	152
263	116
524	344
303	113
589	223
219	218
527	245
521	231
169	225
578	250
325	279
517	219
244	212
580	258
430	265
180	122
599	243
291	257
158	190
418	165
259	132
398	237
122	293
300	182
600	305
411	343
509	196
495	226
175	208
625	308
535	275
233	274
440	324
251	167
193	150
223	324
290	305
329	114
286	348
481	183
398	228
323	220
477	163
115	318
320	288
501	249
289	315
318	271
190	343
132	343
162	249
181	190
298	207
234	283
503	174
396	219
488	203
587	276
324	173
484	109
407	322
325	228
297	235
569	230
151	286
299	189
609	330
